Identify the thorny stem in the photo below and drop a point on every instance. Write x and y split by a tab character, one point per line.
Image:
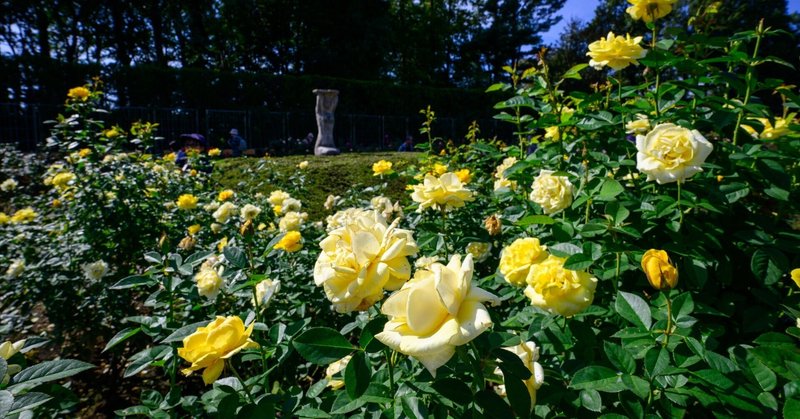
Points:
748	79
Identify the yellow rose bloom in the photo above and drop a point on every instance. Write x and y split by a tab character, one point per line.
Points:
208	347
7	350
193	229
464	175
616	52
15	269
641	125
501	181
661	273
361	259
62	180
84	152
518	258
796	276
552	133
439	169
774	131
24	215
552	193
671	153
302	165
214	152
4	218
169	157
249	212
649	10
290	242
557	290
436	311
277	197
222	243
381	168
528	352
111	133
292	221
8	185
79	93
208	282
224	212
265	290
334	368
444	192
187	202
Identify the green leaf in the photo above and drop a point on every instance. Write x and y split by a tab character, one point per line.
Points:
412	407
493	405
3	367
516	391
453	389
769	264
535	219
6	401
235	256
310	412
597	378
656	361
357	375
578	262
610	189
633	309
590	399
198	258
121	336
574	72
495	87
133	281
564	249
367	340
48	371
27	401
716	379
142	359
619	357
791	409
322	345
178	335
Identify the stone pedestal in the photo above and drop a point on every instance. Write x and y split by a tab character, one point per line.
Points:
326	105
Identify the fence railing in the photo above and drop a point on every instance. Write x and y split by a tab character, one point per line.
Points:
279	132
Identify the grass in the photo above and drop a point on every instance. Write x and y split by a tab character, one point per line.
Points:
337	175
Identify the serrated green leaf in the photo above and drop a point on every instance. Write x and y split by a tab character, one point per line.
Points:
122	336
133	281
322	345
597	378
633	309
48	371
591	400
619	358
357	375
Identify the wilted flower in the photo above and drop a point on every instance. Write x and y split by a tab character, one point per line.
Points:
558	290
361	259
209	346
442	193
187	243
436	311
96	270
660	271
493	225
671	153
616	52
187	202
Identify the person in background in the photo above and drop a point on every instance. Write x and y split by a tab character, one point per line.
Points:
237	144
194	146
408	144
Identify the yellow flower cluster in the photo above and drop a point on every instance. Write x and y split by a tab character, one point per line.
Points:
616	52
24	215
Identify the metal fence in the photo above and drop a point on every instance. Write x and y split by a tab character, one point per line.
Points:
278	132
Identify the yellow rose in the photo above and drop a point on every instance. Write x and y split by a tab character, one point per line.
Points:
224	212
214	152
439	169
437	310
302	165
552	133
95	271
641	125
661	273
4	218
7	350
671	153
444	192
216	228
110	133
170	157
62	180
528	352
250	212
772	131
361	259
552	193
334	368
8	185
344	217
616	52
209	346
381	168
649	10
187	202
193	229
464	175
208	282
517	259
277	197
222	243
79	93
557	290
225	195
265	290
24	215
292	221
796	276
290	242
15	269
501	181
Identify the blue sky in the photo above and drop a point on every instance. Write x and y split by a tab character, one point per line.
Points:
584	10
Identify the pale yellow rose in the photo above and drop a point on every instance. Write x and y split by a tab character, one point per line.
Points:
334	368
15	269
187	202
289	204
292	221
480	251
518	258
265	290
557	290
330	202
661	273
528	352
7	350
616	52
552	193
649	10
250	212
209	346
361	259
224	212
96	270
640	125
501	182
384	206
208	282
442	193
344	217
436	311
277	197
8	185
216	228
671	153
302	165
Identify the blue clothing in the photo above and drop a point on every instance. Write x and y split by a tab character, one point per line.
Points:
238	145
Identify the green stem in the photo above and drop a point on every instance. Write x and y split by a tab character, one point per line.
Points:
658	72
616	273
244	385
390	361
669	321
748	80
445	232
680	210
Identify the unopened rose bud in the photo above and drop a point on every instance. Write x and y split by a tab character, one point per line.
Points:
661	273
